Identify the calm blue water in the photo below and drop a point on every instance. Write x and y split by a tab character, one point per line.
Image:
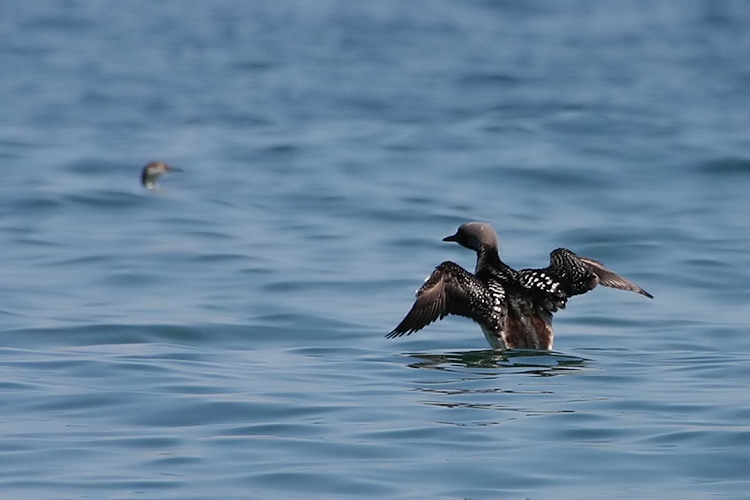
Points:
224	337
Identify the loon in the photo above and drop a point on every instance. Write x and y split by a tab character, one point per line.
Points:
513	308
153	171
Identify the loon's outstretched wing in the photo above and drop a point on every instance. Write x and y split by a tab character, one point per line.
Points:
568	275
450	289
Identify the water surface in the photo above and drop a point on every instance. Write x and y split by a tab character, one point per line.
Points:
224	337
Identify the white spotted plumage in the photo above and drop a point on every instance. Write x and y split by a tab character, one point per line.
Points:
539	280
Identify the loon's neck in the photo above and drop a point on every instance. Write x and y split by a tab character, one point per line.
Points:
488	258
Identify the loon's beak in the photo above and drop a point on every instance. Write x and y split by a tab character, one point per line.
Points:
453	237
173	169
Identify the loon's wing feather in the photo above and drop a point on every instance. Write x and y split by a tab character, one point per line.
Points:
568	275
580	274
544	287
611	279
450	289
574	276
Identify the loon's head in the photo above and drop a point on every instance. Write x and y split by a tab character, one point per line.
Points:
476	236
152	171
